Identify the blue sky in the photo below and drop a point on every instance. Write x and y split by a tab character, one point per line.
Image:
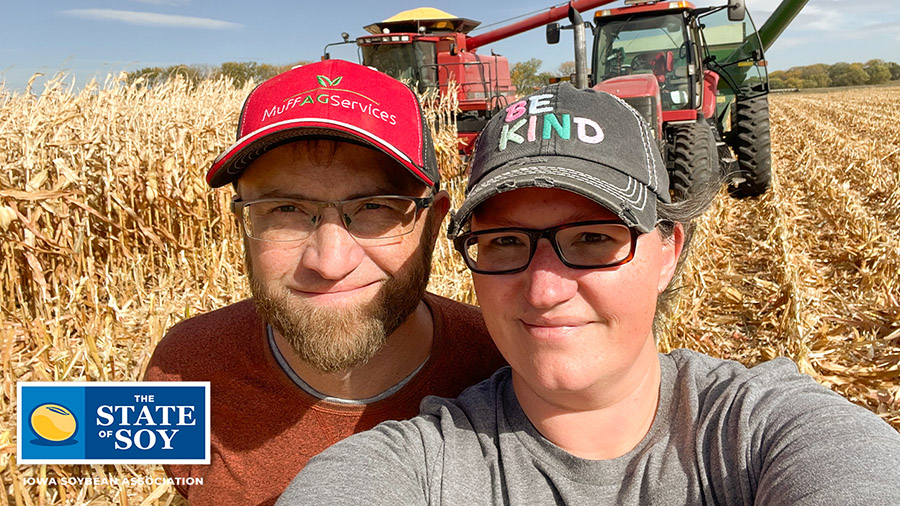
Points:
88	38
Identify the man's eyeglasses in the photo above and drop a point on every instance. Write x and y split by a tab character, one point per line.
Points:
290	220
580	245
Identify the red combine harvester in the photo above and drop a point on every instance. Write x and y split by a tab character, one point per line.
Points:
430	48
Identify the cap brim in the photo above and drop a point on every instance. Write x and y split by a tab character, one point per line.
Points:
621	194
229	165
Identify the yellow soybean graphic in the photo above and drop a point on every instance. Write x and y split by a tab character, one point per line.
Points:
53	422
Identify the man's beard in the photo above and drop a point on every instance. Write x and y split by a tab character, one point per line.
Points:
332	340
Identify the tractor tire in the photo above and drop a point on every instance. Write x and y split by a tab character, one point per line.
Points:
693	159
752	142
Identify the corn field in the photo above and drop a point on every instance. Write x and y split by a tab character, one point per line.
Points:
109	235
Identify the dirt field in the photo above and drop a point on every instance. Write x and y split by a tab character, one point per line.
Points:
108	236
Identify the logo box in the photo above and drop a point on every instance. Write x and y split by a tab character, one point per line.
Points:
113	423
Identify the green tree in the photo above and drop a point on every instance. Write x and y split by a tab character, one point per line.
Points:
566	69
525	77
266	71
239	72
794	82
243	72
815	76
151	76
878	71
148	74
791	73
848	74
776	83
545	77
895	70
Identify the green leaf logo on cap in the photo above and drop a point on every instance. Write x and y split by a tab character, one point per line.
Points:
326	82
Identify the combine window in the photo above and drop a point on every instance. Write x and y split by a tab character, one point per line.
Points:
735	52
414	63
647	45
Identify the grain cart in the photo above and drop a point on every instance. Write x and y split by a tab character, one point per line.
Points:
698	75
430	48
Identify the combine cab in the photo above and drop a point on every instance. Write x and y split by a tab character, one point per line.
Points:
698	76
429	49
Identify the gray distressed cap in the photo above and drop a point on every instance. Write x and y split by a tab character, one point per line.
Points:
585	141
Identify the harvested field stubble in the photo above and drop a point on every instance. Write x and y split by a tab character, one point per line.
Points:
109	235
810	269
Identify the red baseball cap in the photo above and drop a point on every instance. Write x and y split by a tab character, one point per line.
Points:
333	98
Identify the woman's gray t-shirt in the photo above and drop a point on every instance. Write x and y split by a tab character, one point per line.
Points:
723	434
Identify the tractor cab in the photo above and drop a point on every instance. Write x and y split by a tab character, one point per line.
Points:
647	42
733	50
698	77
701	59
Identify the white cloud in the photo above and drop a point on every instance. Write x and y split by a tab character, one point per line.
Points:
755	6
883	27
152	19
785	43
881	8
813	17
164	2
840	24
846	7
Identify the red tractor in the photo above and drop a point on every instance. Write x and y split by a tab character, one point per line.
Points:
698	76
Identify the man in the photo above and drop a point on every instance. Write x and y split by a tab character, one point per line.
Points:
570	234
337	193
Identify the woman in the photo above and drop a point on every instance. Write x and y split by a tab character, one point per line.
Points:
570	234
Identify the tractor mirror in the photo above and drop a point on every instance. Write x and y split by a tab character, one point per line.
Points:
553	33
736	10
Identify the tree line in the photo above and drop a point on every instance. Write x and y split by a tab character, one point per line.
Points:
526	75
239	72
822	75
